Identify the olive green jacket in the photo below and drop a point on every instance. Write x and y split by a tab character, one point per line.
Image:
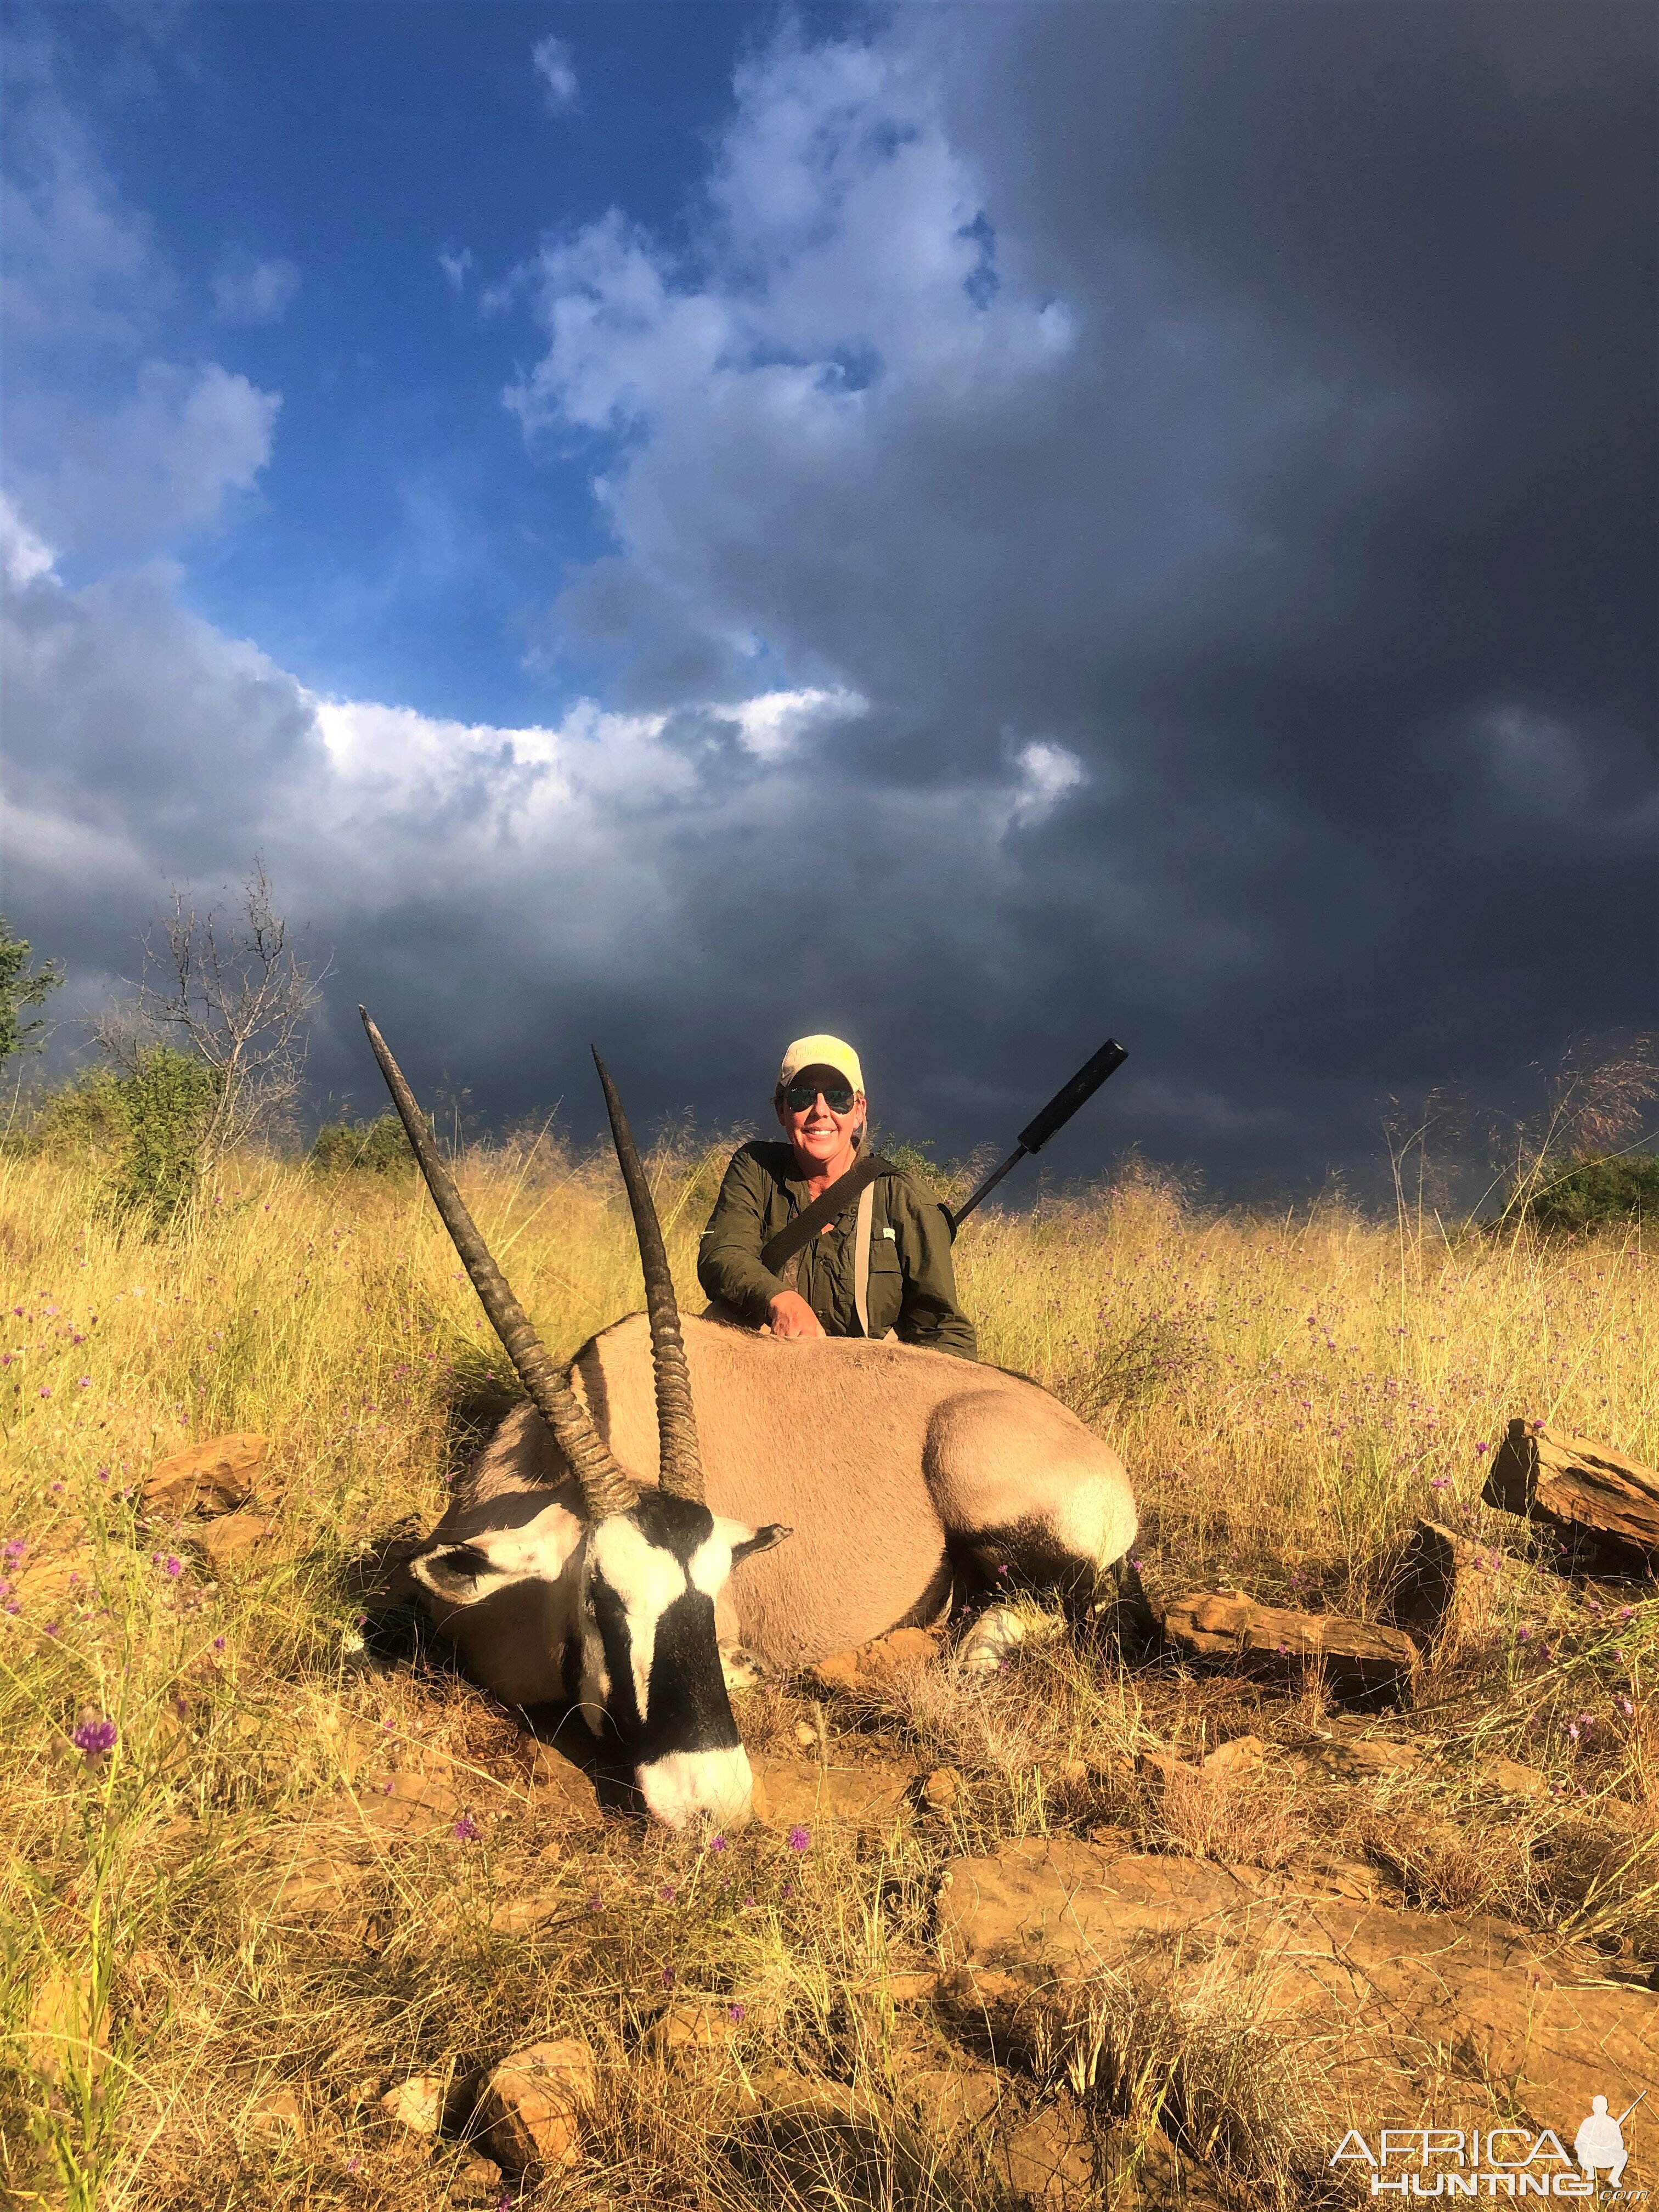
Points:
912	1288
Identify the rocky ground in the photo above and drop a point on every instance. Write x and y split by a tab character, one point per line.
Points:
1069	1933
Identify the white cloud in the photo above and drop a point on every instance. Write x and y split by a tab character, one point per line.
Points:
23	556
776	723
161	466
79	266
843	258
555	64
147	746
1047	772
255	292
455	266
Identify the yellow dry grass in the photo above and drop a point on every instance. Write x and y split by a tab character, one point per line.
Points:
1289	1394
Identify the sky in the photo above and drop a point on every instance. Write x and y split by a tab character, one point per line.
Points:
969	527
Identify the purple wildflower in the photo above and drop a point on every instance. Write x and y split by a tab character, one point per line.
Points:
799	1840
668	1893
45	1390
717	1842
596	1903
668	1978
466	1829
734	2013
218	1643
95	1738
174	1566
51	1628
1438	1483
86	1382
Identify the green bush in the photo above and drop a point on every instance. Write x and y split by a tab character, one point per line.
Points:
89	1114
148	1129
376	1147
169	1104
1597	1193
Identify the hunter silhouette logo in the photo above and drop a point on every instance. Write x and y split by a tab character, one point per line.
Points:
1600	2141
1506	2161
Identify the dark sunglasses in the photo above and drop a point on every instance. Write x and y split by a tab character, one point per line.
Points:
838	1096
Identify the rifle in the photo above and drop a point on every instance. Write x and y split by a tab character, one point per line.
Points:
1054	1115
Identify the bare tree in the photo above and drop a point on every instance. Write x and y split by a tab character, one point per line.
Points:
233	993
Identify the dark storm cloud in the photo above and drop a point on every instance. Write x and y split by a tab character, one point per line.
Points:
1184	479
1327	547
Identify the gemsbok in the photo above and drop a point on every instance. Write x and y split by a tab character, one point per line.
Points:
584	1556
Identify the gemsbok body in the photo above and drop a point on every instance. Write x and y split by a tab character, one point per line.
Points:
630	1519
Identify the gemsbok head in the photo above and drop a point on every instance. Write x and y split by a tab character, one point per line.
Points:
650	1562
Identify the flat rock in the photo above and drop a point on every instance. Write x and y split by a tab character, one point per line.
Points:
1242	1755
1365	1758
1388	1990
276	2117
476	2180
711	2025
418	2103
523	1915
795	1793
1512	1778
408	1804
1359	1658
231	1536
562	1790
530	2107
874	1665
51	1578
779	2096
944	1790
1579	1487
312	1890
209	1477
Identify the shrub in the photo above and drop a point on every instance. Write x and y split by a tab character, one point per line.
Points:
168	1104
1598	1194
375	1147
87	1116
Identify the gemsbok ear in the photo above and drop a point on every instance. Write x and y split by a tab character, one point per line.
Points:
761	1540
460	1574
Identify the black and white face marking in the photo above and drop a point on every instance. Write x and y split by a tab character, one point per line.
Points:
650	1656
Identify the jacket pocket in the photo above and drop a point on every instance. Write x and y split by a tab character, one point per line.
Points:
886	1293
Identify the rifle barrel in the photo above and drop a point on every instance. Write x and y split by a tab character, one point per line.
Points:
1054	1115
987	1188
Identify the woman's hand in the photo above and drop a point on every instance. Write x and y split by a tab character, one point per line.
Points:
793	1316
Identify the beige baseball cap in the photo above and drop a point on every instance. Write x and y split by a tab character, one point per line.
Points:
821	1052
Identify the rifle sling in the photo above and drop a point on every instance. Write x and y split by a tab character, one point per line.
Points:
795	1236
